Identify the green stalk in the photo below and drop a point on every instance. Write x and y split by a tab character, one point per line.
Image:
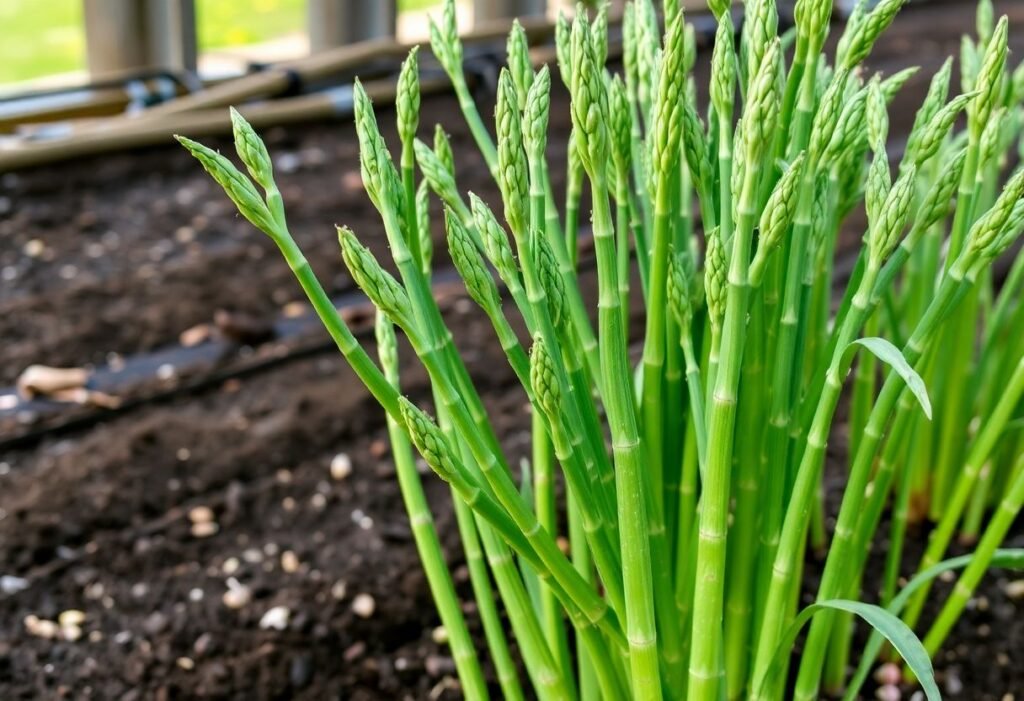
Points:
743	538
271	220
978	456
437	355
573	192
957	367
622	232
1009	295
841	553
797	514
638	531
535	655
1000	361
707	651
952	426
665	165
864	386
535	119
583	563
1001	522
544	505
525	625
635	528
431	555
547	680
784	361
906	420
898	529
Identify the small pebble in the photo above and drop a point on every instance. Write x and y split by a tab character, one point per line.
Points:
237	596
354	651
378	448
203	644
230	565
34	248
1015	589
70	633
341	466
9	584
186	663
204	530
888	692
155	623
954	685
888	673
195	594
287	162
439	635
362	520
438	665
41	627
292	310
71	617
318	502
253	556
276	618
339	589
363	605
200	514
290	562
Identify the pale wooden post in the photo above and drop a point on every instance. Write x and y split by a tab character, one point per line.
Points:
130	35
338	22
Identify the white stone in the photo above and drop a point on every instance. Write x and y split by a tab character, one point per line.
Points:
276	618
364	605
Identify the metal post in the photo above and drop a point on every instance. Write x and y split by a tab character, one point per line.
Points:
504	9
125	35
338	22
172	33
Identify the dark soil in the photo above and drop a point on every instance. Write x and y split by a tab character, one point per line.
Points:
133	249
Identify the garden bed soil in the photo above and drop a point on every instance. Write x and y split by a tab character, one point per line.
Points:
117	256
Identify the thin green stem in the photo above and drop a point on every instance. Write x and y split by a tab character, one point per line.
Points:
629	463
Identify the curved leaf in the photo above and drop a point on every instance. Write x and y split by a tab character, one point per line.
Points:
887	624
891	355
1007	558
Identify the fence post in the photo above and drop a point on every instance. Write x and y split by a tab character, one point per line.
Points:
127	35
338	22
504	9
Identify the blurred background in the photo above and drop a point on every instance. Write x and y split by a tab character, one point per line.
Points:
47	43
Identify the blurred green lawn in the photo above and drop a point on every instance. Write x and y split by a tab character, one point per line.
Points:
41	37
